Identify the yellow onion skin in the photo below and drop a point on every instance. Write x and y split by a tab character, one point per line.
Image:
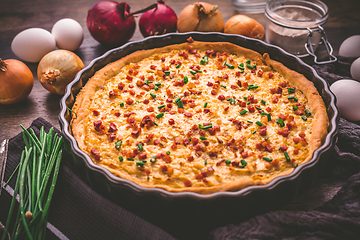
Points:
16	81
246	26
200	17
57	69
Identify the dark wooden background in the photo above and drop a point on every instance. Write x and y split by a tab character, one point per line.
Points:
18	15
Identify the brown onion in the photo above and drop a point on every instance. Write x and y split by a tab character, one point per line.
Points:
200	17
246	26
16	81
57	69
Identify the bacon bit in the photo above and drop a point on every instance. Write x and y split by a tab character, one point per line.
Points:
188	114
187	183
96	113
233	87
268	109
192	105
121	86
181	110
173	146
129	78
275	162
128	114
190	158
163	168
260	73
302	134
251	108
112	94
199	176
171	121
146	101
195	141
271	75
162	59
275	99
136	133
140	83
262	130
244	154
283	148
235	163
226	76
296	151
296	140
172	112
147	121
152	67
96	153
198	147
209	84
117	114
299	112
221	97
284	84
167	158
211	131
150	109
260	155
129	101
132	92
226	108
111	136
183	54
220	162
190	40
98	125
112	127
213	92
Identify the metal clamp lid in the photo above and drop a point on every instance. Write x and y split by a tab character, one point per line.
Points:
309	46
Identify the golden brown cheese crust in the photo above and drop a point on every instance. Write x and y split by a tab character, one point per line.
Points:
232	127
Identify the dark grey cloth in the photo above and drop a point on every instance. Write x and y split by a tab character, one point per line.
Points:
338	218
77	211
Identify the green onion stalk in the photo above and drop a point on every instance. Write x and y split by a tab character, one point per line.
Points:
36	179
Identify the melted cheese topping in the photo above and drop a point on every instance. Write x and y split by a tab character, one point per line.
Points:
231	121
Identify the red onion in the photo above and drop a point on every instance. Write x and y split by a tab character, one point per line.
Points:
160	20
111	23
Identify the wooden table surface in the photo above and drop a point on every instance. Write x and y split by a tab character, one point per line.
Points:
15	16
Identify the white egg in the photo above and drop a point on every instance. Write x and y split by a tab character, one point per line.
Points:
355	69
32	44
350	47
68	34
347	93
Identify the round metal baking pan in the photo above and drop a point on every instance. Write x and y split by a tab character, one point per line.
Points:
281	189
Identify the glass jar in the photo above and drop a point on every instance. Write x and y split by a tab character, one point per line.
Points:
297	25
249	6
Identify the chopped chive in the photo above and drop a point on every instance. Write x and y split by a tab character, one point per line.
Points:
287	156
122	104
186	79
254	132
249	121
155	124
118	144
205	104
178	66
161	106
269	117
147	81
266	138
291	90
153	159
231	100
241	66
205	161
136	102
202	62
140	147
130	159
205	127
258	108
179	102
245	98
178	99
248	61
293	98
243	112
228	65
249	66
158	84
251	86
140	163
304	118
295	108
294	165
156	88
223	86
307	113
167	73
160	115
263	102
168	152
259	123
121	158
243	163
267	159
152	95
202	138
280	122
227	161
161	144
192	72
263	113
